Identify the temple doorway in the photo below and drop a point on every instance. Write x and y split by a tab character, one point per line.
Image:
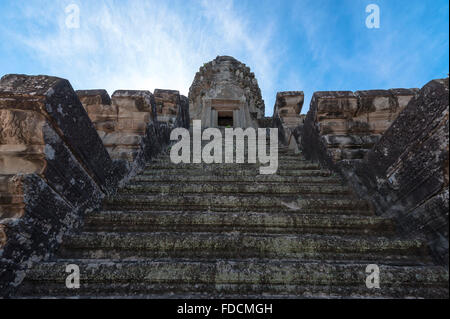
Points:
225	119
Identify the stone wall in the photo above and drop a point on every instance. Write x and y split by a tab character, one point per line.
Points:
351	123
54	165
287	117
167	105
403	172
122	121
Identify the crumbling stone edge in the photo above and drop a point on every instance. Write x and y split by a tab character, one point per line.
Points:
54	168
405	175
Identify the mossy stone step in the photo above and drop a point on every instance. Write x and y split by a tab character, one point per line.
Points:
241	202
183	166
211	171
250	222
246	278
202	178
248	188
119	245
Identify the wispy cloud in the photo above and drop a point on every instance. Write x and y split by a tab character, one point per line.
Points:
144	44
345	55
305	45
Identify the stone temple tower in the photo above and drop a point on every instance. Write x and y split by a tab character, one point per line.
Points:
225	93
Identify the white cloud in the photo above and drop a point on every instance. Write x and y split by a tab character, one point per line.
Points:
146	44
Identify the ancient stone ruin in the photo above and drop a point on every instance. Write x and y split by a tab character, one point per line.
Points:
86	180
226	94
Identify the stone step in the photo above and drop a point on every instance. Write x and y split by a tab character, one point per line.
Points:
202	178
206	246
215	202
281	223
281	160
208	171
327	202
184	166
246	278
221	188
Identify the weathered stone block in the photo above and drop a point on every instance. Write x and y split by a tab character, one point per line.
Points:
22	145
167	104
367	114
94	97
131	101
334	110
54	99
335	103
288	106
103	115
226	80
53	167
405	173
379	108
12	203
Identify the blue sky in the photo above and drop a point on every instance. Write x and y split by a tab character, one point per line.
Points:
308	45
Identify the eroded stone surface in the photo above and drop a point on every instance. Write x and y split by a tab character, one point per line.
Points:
167	104
287	117
54	99
350	124
401	168
53	167
121	122
223	230
98	106
225	93
288	106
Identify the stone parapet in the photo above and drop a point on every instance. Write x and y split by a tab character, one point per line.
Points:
135	109
287	117
167	104
392	147
53	167
288	106
123	120
350	123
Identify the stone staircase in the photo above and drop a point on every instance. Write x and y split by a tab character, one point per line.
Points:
223	230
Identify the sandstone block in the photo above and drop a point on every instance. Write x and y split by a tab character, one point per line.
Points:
167	104
97	104
231	82
30	103
53	167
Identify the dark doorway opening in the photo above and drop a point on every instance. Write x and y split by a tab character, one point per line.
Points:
225	121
